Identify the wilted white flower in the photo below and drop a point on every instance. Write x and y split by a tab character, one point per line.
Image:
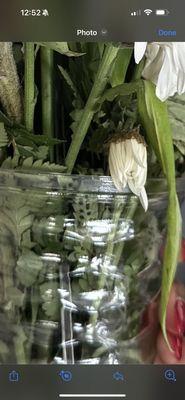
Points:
128	164
164	66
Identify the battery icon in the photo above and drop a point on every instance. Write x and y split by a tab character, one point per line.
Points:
162	12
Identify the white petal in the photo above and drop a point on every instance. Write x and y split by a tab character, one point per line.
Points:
129	160
178	50
179	57
141	177
165	67
144	199
167	80
139	152
113	169
119	160
155	57
132	183
139	51
116	165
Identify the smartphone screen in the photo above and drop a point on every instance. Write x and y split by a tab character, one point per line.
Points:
92	200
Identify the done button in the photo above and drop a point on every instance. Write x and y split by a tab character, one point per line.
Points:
167	33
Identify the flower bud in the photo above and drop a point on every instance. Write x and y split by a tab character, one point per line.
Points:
128	163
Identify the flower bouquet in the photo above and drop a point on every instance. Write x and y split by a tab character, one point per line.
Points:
91	144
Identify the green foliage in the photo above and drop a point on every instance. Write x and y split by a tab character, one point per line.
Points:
16	216
20	163
85	208
25	138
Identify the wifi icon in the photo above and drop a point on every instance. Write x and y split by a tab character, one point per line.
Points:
148	11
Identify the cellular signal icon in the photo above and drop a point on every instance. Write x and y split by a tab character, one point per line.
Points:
135	13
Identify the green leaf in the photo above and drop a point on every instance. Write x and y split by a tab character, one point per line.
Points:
16	216
125	89
28	267
25	138
176	109
26	151
180	146
28	163
154	116
50	167
120	67
47	166
68	80
42	152
15	296
3	118
60	47
76	115
51	301
10	163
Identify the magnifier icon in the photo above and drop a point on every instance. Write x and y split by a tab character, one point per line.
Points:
170	375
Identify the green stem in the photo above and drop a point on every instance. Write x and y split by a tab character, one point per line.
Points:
100	82
118	208
129	211
34	311
129	208
47	94
129	214
19	348
29	86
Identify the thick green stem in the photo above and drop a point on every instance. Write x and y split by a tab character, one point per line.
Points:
29	86
47	93
100	82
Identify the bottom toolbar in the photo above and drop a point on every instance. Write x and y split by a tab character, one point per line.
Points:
49	382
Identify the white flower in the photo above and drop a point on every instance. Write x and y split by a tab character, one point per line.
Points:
128	165
164	66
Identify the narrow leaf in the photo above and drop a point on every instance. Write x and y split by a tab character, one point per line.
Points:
120	67
121	90
68	80
155	119
60	47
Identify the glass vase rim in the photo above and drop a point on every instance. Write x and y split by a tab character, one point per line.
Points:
56	181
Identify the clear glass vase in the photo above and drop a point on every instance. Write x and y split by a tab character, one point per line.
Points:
80	263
